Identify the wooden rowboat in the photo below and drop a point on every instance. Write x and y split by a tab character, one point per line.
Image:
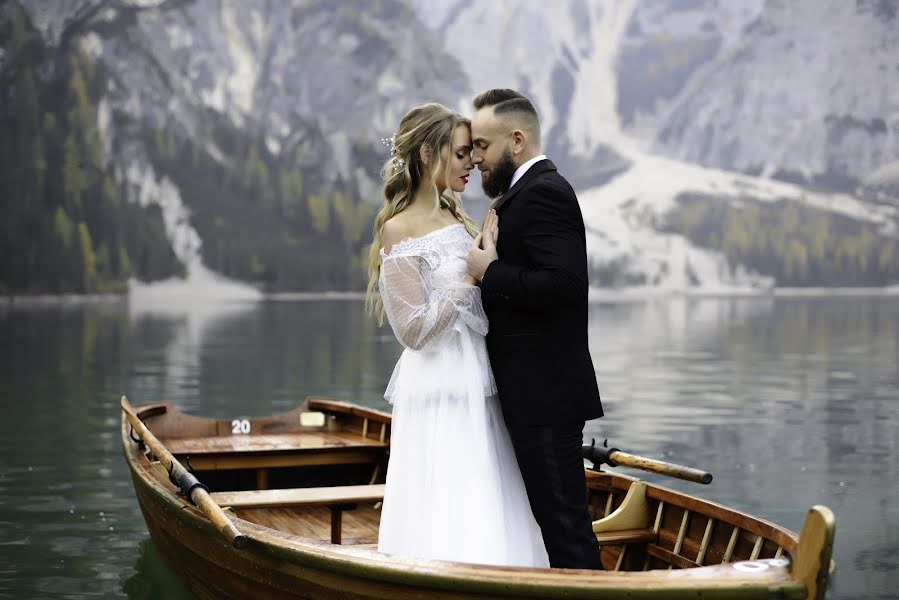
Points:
292	511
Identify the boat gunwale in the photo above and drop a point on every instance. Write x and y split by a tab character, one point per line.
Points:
372	565
786	538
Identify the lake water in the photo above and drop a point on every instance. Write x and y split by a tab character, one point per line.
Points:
788	402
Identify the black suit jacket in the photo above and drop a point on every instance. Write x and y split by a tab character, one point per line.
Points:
535	296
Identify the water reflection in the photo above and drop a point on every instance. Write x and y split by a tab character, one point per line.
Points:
270	355
152	579
788	402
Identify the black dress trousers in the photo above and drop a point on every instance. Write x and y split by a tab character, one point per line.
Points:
552	467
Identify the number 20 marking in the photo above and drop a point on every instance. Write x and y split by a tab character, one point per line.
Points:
239	426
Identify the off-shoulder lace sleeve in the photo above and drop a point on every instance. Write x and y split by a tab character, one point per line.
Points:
420	315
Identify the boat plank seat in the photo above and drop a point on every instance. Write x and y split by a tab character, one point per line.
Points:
337	499
627	536
277	450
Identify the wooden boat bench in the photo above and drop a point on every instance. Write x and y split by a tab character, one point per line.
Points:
627	536
337	499
627	524
276	450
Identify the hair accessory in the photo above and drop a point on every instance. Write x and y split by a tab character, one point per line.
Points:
390	143
397	162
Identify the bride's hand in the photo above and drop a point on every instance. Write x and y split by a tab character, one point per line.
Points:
490	230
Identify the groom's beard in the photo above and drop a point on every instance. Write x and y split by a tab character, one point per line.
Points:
500	176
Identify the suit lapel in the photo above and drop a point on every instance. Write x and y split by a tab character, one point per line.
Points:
537	168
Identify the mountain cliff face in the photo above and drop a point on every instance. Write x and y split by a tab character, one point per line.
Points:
803	97
791	89
762	104
277	69
311	79
254	125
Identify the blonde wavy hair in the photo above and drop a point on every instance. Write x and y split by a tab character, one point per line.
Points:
430	125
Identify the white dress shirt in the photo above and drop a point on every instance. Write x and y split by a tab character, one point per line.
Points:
524	169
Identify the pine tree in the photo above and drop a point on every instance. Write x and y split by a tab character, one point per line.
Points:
291	193
74	180
343	213
28	138
88	259
63	227
320	213
124	264
104	264
256	174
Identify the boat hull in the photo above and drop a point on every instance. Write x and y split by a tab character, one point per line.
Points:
275	564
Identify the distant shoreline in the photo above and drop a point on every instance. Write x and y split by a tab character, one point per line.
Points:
596	295
636	294
182	295
60	299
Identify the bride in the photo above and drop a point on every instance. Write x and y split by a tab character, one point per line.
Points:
454	490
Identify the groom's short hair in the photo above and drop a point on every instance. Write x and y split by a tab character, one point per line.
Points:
513	103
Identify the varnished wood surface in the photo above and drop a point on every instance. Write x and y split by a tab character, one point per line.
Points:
812	563
198	494
746	522
725	520
360	526
288	555
257	460
278	567
657	466
626	536
323	496
167	422
284	442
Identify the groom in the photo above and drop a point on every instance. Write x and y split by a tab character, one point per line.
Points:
534	290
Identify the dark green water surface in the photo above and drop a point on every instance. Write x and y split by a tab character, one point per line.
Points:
788	402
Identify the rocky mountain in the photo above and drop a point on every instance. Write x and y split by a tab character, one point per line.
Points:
793	90
254	125
760	105
815	74
694	131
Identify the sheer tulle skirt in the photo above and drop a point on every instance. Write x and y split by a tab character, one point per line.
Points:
454	489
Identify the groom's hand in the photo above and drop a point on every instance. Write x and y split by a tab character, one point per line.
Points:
480	258
483	249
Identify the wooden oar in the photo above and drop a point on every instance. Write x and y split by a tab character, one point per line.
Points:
615	457
190	486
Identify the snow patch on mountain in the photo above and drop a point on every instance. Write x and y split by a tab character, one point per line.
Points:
200	282
563	67
241	82
141	178
622	217
593	118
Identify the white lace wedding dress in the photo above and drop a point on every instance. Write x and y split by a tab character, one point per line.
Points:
454	490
